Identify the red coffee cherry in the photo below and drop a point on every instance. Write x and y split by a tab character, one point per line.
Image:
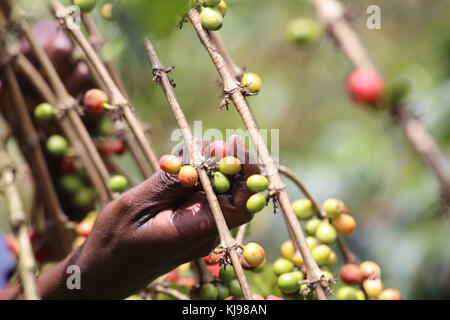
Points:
350	274
94	100
170	163
212	258
218	149
365	85
344	224
370	270
390	294
188	176
84	228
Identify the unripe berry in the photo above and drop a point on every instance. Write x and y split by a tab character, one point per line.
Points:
218	149
44	111
346	293
288	283
311	225
222	7
84	197
226	275
256	203
360	295
188	176
370	270
365	85
85	5
235	288
211	18
107	12
170	163
211	3
333	207
321	254
287	249
229	165
257	183
373	288
260	268
254	254
326	233
332	259
221	182
71	183
94	99
303	30
252	82
84	228
282	266
57	145
350	274
118	183
344	223
312	242
208	292
303	209
390	294
297	259
222	292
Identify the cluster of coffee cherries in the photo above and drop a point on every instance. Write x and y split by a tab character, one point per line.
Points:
212	14
88	5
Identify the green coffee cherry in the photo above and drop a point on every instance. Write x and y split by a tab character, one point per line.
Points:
108	12
288	282
211	18
221	182
360	295
312	242
257	183
84	197
57	145
256	203
346	293
211	3
44	111
222	7
260	268
118	183
300	276
71	183
282	265
332	259
85	5
235	288
321	254
326	233
226	275
303	30
303	209
312	225
333	208
222	292
209	292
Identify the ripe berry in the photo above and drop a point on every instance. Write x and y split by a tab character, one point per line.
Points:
288	282
84	197
218	149
252	82
212	258
12	244
71	183
311	225
287	249
170	163
326	233
67	165
370	270
254	254
297	259
107	12
346	293
85	5
257	296
188	176
84	228
208	292
344	224
229	165
333	208
282	265
373	288
211	3
44	111
94	100
321	254
211	18
257	183
350	274
365	85
303	209
235	288
222	7
118	183
390	294
332	259
57	145
303	30
312	242
222	292
272	297
221	183
226	275
256	203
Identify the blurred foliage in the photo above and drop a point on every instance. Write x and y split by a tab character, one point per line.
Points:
338	148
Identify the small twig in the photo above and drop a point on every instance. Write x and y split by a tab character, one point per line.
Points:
241	233
161	287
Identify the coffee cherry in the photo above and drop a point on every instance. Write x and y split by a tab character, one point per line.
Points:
373	288
390	294
257	183
303	30
221	183
326	233
118	183
208	292
222	292
71	183
229	165
218	149
211	3
321	254
303	209
212	258
78	242
222	7
346	293
170	163
254	254
85	5
332	259
287	249
311	225
360	295
44	111
370	270
272	297
365	85
226	275
297	259
312	242
256	203
235	288
107	12
94	100
333	208
282	265
188	176
252	82
288	282
344	224
350	274
84	228
327	274
57	145
84	197
211	18
257	296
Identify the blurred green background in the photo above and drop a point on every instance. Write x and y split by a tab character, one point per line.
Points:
337	148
